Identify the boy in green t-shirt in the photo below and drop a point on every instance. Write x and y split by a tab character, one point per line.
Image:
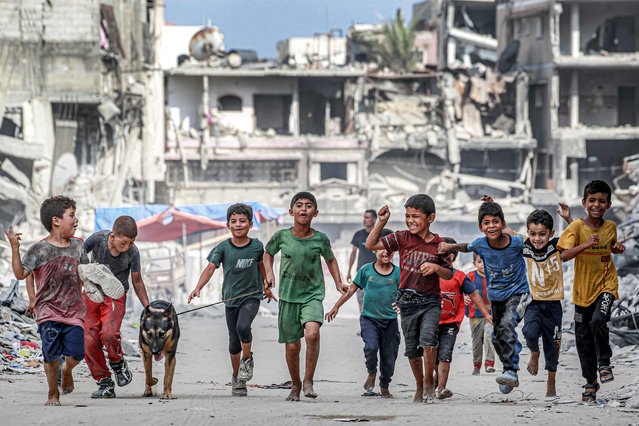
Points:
301	288
241	258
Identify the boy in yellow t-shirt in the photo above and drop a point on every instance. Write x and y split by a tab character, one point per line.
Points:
592	241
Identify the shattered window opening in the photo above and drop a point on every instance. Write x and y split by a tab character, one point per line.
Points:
229	103
237	171
334	171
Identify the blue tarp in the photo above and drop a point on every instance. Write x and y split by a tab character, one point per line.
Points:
104	217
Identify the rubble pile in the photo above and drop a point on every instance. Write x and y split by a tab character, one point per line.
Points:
20	350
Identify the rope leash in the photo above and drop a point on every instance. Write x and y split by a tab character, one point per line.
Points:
221	301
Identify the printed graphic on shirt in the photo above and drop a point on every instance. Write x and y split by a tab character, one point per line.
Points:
545	273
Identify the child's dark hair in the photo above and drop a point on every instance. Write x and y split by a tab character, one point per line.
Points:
125	226
239	208
475	256
54	207
596	186
490	209
540	217
451	241
372	212
304	195
421	202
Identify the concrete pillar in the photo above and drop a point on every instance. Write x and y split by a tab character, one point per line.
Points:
574	99
294	115
204	126
575	31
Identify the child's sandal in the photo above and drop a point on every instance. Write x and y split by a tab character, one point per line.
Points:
605	374
590	394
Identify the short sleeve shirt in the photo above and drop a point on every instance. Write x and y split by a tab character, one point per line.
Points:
415	288
545	272
241	270
58	286
121	265
364	255
504	267
595	272
380	291
453	290
479	282
301	275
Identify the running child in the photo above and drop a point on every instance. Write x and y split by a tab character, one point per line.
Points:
301	313
591	242
57	296
480	330
418	297
378	320
453	292
507	286
242	289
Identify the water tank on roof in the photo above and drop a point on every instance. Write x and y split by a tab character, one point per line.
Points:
207	42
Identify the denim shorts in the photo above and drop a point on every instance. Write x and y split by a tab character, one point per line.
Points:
61	339
447	334
419	325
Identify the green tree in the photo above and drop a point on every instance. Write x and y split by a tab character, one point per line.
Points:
397	49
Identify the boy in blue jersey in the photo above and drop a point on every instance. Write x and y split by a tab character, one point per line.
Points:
378	320
507	284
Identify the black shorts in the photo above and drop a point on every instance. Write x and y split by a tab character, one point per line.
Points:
419	325
447	335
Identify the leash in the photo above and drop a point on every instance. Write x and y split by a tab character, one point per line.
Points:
221	301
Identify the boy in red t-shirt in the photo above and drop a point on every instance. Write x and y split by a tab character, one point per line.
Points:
418	295
451	317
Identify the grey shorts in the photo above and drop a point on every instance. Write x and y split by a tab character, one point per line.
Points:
447	335
419	325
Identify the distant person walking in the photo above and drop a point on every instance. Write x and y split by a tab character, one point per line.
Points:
364	256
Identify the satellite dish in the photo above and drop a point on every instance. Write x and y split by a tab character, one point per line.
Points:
207	42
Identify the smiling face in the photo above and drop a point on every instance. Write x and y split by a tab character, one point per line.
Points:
596	204
303	211
383	257
67	224
417	222
539	235
239	225
492	227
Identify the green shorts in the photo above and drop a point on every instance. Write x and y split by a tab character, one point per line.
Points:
293	316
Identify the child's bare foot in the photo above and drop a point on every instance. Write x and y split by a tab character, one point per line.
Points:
533	363
419	394
476	371
429	392
54	399
369	384
295	392
308	389
385	393
67	384
551	390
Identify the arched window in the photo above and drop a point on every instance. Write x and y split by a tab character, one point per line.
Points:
229	103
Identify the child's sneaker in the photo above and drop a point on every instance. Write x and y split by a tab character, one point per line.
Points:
246	369
123	375
489	368
101	275
508	378
106	389
505	389
92	291
238	387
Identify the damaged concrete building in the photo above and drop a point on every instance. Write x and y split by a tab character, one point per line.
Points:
585	121
77	77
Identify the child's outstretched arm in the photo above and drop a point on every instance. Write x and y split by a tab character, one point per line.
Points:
428	268
479	303
206	275
564	211
265	284
333	268
140	288
16	262
330	315
445	247
372	242
571	253
32	295
268	268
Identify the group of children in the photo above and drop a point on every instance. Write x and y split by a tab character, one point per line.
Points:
516	278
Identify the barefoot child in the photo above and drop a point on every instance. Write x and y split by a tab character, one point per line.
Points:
57	297
451	317
418	297
507	286
480	330
301	288
591	242
543	316
378	320
241	259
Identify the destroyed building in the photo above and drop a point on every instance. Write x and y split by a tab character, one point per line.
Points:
75	103
584	119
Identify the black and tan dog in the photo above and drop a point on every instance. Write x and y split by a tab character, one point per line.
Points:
159	335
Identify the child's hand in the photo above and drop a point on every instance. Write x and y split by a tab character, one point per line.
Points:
269	280
396	308
487	199
31	309
269	295
342	288
428	268
14	238
383	214
618	248
330	316
466	300
489	318
443	248
564	211
195	293
594	240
